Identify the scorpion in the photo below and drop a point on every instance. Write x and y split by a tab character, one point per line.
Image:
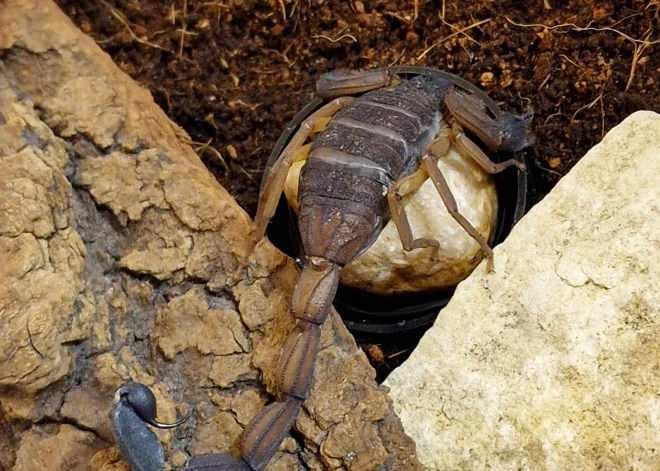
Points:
377	139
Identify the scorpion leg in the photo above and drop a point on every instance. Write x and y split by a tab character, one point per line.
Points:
274	186
473	150
428	168
343	83
429	164
439	146
395	193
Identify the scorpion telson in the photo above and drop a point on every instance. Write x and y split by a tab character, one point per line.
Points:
135	405
369	152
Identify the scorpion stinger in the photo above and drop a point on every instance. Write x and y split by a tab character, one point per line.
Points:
135	406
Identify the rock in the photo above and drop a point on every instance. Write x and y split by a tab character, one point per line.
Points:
179	459
386	268
185	321
66	448
552	362
108	459
229	369
117	255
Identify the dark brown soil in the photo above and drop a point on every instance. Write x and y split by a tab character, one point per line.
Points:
234	72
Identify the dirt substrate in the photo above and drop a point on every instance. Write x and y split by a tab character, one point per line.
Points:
234	72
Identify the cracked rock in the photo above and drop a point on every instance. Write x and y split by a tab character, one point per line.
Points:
552	362
63	447
117	255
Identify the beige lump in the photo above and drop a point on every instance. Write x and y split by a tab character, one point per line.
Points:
386	268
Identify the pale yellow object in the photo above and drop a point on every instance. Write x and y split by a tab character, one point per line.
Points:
552	362
386	268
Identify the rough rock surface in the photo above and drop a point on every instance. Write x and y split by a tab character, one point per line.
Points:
116	247
552	362
388	269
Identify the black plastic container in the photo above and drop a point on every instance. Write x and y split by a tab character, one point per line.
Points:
369	315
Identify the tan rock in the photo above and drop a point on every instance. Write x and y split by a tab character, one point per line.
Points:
108	459
66	448
82	406
284	462
160	246
116	264
83	323
228	369
179	459
80	99
219	434
386	268
342	449
247	405
127	184
258	308
24	195
186	321
41	265
552	361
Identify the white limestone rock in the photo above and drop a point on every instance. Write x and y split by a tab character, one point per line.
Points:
388	269
553	362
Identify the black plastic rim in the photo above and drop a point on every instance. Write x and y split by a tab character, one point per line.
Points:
375	315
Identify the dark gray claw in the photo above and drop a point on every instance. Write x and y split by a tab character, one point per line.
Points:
135	405
517	135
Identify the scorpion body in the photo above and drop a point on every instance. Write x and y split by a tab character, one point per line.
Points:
369	152
367	146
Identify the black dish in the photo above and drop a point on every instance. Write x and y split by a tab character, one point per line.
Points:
367	314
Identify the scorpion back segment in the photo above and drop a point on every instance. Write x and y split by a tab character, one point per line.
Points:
378	147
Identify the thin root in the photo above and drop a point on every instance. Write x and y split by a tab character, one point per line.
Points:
639	44
639	50
590	105
575	27
204	146
461	31
144	42
322	36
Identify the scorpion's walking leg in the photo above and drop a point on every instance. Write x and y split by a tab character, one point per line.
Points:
395	193
294	152
429	169
473	150
429	163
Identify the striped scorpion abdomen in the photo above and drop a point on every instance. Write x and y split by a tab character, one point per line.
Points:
367	146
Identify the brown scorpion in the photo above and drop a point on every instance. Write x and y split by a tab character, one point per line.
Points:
369	152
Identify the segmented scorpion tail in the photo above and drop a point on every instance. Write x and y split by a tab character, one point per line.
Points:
135	404
310	305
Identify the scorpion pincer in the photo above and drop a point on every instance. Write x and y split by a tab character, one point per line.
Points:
377	140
